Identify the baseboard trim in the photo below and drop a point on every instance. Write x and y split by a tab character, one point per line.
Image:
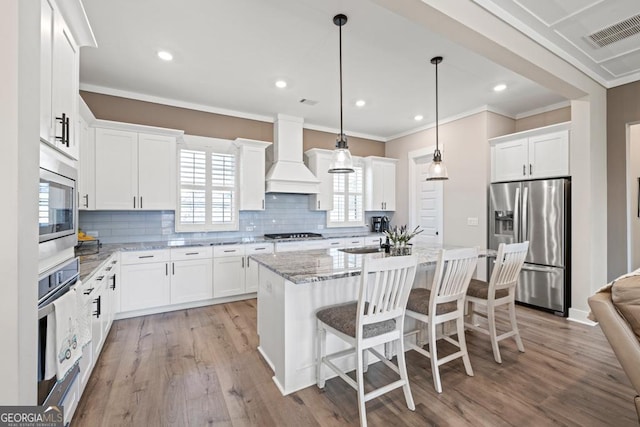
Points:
580	316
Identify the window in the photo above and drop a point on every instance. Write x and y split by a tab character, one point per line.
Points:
348	189
207	186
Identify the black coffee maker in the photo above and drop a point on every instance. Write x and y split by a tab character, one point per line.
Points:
379	224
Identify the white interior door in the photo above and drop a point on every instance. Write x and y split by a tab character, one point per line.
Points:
428	204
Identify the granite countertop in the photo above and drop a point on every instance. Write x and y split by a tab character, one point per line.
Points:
318	265
90	262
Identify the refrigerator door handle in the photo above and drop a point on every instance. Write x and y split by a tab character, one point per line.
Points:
516	216
531	267
525	210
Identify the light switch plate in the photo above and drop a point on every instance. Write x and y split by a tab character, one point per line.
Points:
473	221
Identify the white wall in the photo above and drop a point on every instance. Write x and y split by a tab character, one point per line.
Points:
468	24
19	115
633	176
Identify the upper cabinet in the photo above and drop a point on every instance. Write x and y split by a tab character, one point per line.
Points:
318	161
538	153
87	159
135	170
380	183
59	70
251	173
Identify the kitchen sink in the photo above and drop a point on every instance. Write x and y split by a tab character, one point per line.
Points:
366	250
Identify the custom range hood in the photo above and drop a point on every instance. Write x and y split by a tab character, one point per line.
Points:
288	174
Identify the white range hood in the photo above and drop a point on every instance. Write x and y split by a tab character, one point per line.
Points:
288	174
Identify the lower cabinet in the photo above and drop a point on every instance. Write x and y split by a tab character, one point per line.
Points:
145	280
233	272
191	275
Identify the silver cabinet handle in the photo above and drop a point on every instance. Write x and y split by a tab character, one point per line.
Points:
140	202
166	269
242	262
173	268
530	169
318	204
230	250
262	203
247	262
524	170
134	202
146	256
192	253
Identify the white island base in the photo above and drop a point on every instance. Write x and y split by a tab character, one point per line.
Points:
287	327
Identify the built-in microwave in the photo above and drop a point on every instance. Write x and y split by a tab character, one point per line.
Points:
57	209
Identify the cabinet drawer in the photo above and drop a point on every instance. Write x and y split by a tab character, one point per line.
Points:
228	250
195	252
258	248
334	243
374	240
353	242
143	257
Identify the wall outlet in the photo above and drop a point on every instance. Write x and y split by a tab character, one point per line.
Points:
473	221
92	233
249	228
320	226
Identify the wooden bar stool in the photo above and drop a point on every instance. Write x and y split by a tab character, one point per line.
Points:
442	303
376	318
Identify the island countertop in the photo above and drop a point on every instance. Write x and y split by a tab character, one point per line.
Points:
327	264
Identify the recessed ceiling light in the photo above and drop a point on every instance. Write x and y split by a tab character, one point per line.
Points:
361	103
281	84
165	56
418	117
500	87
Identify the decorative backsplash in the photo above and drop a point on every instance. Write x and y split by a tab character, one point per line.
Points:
283	213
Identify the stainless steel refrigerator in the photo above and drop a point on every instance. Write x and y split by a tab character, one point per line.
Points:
537	211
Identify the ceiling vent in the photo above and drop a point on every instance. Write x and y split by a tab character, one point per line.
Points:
616	32
309	102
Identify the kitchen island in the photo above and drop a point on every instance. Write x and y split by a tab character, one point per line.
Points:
292	287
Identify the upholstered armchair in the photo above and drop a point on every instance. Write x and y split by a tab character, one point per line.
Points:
617	309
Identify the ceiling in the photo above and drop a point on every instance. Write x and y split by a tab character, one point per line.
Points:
565	27
228	55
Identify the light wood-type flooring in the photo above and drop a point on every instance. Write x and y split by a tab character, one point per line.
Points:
200	367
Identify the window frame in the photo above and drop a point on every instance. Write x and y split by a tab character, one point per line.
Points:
210	146
359	165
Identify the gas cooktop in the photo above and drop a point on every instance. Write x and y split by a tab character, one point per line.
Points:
280	236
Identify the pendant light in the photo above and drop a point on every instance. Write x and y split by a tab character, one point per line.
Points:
437	169
341	161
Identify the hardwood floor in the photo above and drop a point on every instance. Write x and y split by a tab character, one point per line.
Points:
200	367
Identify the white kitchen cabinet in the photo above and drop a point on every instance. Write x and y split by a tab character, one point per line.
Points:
191	274
112	286
134	170
145	280
251	267
59	72
352	242
537	153
380	183
97	317
251	174
86	165
233	272
318	161
228	270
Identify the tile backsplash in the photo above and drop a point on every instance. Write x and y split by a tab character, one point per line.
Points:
283	213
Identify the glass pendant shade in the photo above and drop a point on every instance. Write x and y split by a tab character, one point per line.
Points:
341	161
437	169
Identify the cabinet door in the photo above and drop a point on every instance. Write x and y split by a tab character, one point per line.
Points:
191	280
144	286
252	178
156	172
116	169
323	201
97	336
252	267
509	161
549	155
228	276
65	87
86	166
388	179
47	16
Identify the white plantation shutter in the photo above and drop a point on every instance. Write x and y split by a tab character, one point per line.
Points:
207	189
348	209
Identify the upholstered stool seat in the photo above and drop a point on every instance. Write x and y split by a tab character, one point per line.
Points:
343	318
419	302
480	289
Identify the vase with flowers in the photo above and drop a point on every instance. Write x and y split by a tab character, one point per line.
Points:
399	238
